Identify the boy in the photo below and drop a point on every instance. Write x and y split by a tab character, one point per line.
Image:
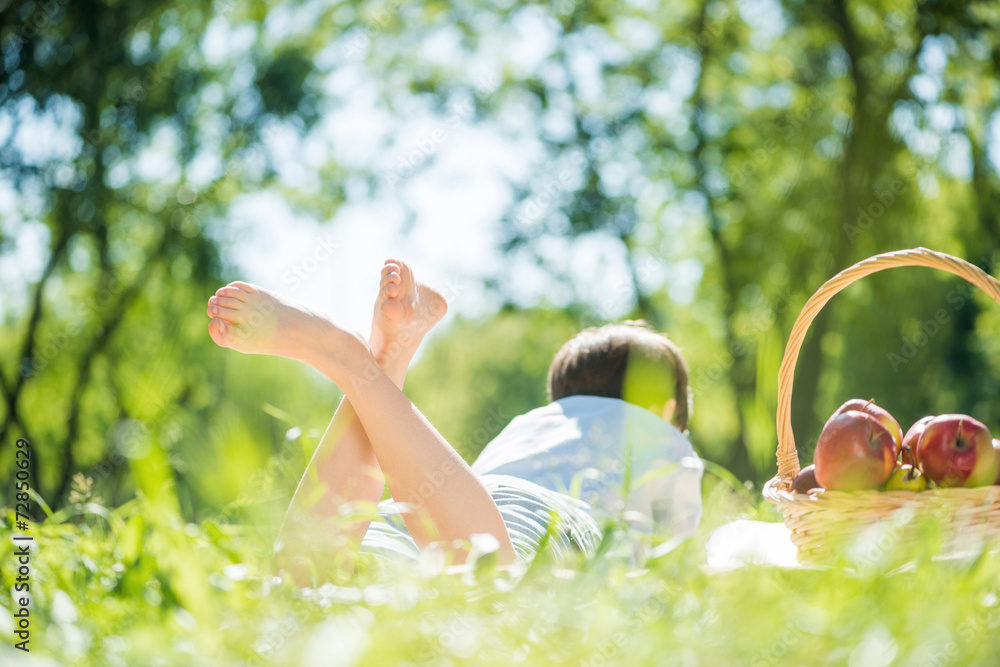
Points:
612	434
377	436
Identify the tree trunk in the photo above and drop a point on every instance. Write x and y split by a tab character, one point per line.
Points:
743	383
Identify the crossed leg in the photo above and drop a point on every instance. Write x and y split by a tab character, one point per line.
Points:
376	429
344	474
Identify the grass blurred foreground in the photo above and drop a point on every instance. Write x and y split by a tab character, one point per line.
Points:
138	586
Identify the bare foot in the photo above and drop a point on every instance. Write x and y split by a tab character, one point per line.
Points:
405	311
253	320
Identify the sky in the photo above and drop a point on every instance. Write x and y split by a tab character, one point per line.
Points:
452	246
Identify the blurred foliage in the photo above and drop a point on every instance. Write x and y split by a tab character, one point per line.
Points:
735	153
109	351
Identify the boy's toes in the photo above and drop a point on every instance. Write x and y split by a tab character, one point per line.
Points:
226	302
233	293
245	287
391	277
226	314
219	331
391	291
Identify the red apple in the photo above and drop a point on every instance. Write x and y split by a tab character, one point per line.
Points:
855	451
878	413
912	437
805	481
957	450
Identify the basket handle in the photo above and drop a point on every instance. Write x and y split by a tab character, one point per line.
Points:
788	457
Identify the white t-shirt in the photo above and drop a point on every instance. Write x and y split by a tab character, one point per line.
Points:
613	455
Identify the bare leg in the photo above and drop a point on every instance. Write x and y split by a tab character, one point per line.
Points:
424	471
343	472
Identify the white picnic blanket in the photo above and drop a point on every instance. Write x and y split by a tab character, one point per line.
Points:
743	542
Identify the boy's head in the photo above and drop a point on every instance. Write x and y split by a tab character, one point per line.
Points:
628	361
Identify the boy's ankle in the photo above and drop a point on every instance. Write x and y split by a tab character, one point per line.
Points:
394	363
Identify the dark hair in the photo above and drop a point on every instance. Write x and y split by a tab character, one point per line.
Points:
629	361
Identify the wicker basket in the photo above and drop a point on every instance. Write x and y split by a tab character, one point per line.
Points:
859	525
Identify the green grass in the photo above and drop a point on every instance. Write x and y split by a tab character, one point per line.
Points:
137	586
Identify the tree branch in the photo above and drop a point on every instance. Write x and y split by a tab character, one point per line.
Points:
12	394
